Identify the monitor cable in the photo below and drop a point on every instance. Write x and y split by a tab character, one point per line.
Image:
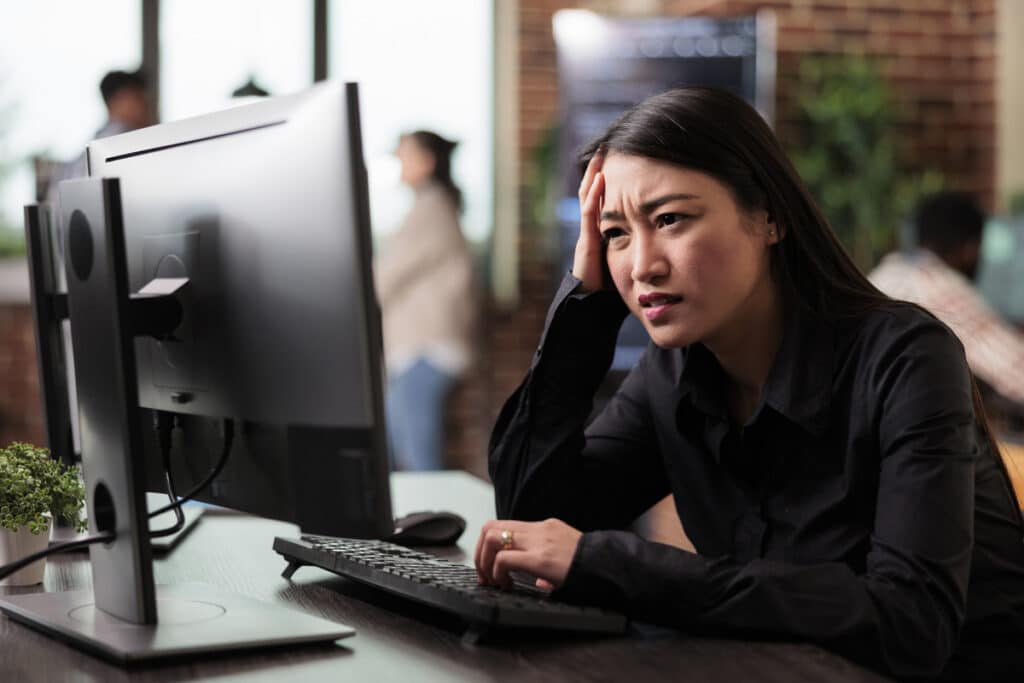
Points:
163	422
228	428
8	569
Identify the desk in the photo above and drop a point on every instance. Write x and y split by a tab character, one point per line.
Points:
1013	456
395	641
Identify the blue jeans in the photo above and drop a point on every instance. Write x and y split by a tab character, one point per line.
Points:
415	406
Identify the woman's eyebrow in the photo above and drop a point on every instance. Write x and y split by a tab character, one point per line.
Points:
651	205
648	206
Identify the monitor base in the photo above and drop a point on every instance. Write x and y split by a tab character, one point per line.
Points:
193	619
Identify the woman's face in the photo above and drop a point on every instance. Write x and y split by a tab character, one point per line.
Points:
417	162
686	259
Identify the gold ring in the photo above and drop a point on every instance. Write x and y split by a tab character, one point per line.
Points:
506	539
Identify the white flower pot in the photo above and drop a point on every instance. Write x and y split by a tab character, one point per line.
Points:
15	545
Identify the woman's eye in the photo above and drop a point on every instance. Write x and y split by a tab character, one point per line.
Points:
670	218
612	233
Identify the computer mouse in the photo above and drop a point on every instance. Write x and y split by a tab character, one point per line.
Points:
428	528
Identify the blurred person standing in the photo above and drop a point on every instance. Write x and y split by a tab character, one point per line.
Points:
426	289
938	274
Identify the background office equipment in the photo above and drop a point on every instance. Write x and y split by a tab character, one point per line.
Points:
1001	271
262	209
49	311
608	64
428	528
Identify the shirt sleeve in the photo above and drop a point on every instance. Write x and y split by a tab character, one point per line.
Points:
542	460
904	611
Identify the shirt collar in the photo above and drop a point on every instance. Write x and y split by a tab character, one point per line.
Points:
799	385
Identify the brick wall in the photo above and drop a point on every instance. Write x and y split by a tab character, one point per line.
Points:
20	407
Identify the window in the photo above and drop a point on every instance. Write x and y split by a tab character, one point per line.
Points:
210	49
420	65
53	54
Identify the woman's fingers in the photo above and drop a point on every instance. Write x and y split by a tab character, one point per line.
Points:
542	549
593	167
587	261
511	561
537	564
491	543
478	556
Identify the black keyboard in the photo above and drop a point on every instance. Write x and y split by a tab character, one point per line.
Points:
443	584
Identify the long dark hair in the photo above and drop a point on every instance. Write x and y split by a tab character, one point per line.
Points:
715	132
441	149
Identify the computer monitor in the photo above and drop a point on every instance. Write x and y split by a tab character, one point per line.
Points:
241	240
263	208
1001	270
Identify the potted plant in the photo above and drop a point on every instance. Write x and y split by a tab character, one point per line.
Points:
849	154
34	488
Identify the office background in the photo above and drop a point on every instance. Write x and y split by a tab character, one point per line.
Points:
952	66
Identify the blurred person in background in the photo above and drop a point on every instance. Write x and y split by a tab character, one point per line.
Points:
124	94
425	286
938	274
128	108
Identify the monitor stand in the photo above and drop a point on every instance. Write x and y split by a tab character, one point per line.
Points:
126	617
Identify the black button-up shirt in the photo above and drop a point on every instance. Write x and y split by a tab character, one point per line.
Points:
861	506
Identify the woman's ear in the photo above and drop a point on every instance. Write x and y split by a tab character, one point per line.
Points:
772	230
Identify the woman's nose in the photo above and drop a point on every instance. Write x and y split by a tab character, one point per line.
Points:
648	260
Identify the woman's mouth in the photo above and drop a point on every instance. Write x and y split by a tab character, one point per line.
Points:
656	306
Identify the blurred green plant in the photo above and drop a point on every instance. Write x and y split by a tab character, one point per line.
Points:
849	157
542	189
1016	203
34	486
12	243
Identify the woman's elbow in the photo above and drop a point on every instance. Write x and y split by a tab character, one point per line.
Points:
919	643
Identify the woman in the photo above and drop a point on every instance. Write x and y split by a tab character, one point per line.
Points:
823	444
424	281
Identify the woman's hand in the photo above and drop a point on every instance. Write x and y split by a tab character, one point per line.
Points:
588	262
542	549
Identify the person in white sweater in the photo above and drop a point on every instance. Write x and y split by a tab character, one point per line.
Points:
425	284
